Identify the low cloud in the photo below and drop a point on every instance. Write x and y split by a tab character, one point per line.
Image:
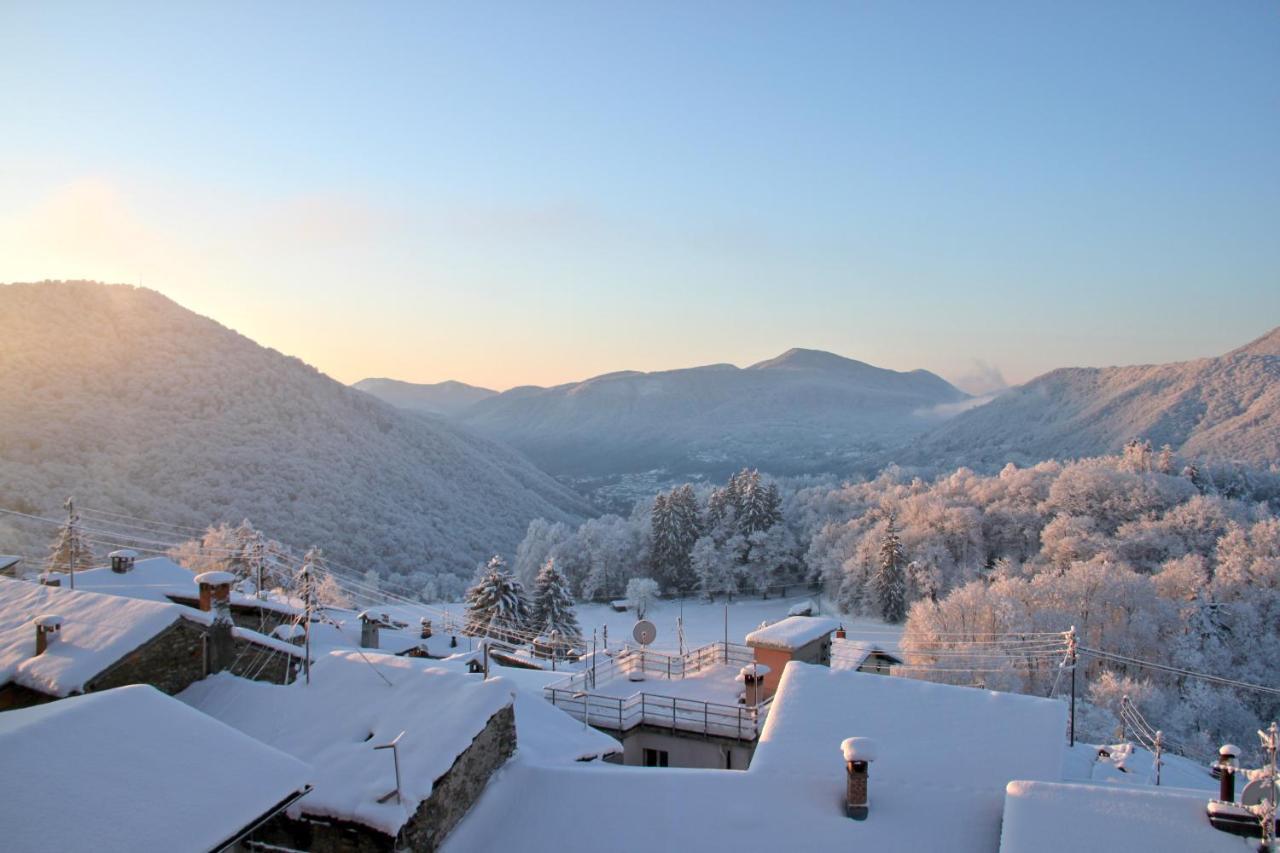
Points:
981	380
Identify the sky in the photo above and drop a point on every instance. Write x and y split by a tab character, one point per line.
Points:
533	193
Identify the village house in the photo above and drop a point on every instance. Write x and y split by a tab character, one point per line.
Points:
800	638
864	655
400	747
57	642
132	769
934	764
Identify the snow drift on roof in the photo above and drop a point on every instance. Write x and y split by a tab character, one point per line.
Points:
161	579
792	633
1041	817
97	630
335	722
132	769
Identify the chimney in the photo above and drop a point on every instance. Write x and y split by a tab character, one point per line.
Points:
752	678
426	628
215	597
369	624
122	560
47	628
1227	763
858	753
840	633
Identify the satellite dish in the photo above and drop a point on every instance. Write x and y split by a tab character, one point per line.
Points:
1256	791
645	632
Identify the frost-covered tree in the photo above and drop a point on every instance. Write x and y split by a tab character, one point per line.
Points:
641	594
70	550
676	525
553	614
496	605
715	566
889	580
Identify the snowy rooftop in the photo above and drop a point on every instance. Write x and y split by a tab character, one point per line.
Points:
161	579
132	769
851	654
945	756
792	633
1041	817
334	723
97	630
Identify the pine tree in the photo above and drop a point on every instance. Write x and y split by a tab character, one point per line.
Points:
889	582
71	549
553	614
675	525
496	605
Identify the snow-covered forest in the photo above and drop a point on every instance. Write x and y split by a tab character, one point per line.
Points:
1145	554
133	404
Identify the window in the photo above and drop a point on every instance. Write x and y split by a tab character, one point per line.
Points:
656	758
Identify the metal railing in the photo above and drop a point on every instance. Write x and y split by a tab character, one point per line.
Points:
656	663
740	722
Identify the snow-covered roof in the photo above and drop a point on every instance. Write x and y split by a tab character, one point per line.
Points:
132	769
851	654
8	561
97	630
945	756
334	723
1043	817
161	579
792	633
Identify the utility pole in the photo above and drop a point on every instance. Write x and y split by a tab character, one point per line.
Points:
726	632
1270	742
74	536
1071	651
309	598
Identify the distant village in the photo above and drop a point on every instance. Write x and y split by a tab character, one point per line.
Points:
144	706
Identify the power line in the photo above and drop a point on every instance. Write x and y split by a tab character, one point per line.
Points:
1173	670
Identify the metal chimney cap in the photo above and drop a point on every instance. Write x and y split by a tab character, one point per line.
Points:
1229	749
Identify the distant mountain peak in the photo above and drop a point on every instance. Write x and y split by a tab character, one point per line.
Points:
798	358
1268	344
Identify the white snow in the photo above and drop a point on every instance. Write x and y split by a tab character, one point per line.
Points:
348	708
132	769
792	633
215	578
851	654
97	630
859	749
161	579
1042	817
125	553
946	754
48	620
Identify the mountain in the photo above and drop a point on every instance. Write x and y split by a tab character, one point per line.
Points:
1224	408
442	398
805	410
136	405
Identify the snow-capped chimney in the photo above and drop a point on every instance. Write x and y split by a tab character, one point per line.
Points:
752	677
369	625
840	633
858	753
47	628
122	560
215	589
1227	763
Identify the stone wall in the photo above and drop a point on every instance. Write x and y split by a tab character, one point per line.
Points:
457	790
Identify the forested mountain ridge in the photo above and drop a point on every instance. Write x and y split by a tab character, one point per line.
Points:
805	410
1225	408
132	403
440	398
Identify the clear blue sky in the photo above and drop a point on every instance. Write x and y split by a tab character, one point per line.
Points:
511	193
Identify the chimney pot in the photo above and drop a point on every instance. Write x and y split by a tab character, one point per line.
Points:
858	753
1227	764
47	626
840	633
369	623
215	587
122	560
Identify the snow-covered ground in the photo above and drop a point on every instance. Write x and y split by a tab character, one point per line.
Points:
704	622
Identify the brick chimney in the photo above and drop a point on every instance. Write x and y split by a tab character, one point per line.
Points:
47	628
840	633
752	677
215	598
1228	756
858	753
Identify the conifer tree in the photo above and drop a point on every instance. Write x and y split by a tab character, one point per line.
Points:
889	581
496	605
553	614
